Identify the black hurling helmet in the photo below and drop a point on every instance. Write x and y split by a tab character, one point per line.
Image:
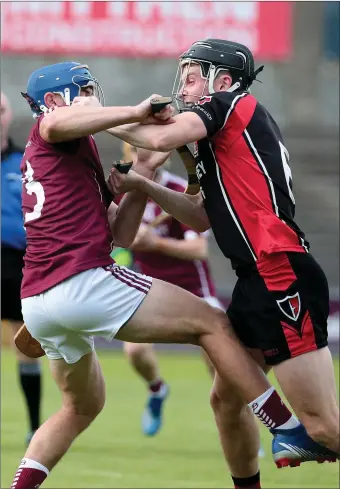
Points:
214	55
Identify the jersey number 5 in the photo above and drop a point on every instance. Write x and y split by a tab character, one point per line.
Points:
287	170
36	188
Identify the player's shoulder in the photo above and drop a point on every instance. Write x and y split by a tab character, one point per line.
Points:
64	147
222	102
231	98
34	134
172	181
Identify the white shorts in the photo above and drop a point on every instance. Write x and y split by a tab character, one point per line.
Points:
97	302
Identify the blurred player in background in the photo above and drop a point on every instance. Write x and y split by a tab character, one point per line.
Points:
13	244
177	254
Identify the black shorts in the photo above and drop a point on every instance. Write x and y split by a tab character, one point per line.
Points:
12	262
281	306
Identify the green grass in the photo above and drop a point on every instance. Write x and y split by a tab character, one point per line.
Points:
114	454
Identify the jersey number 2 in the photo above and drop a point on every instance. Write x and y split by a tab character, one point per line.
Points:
36	188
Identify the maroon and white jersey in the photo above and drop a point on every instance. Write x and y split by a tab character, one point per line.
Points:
194	275
64	201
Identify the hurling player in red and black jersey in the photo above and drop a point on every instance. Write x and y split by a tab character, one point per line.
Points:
280	303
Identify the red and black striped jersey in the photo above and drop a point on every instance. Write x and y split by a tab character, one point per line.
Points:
245	179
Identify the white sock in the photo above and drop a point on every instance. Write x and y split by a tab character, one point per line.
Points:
32	464
270	416
293	422
259	401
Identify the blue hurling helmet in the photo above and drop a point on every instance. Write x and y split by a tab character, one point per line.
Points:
66	79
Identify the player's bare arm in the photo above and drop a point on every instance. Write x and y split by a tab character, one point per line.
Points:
195	248
78	120
125	219
188	209
185	129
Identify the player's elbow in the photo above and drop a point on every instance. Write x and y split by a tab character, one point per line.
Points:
162	143
202	225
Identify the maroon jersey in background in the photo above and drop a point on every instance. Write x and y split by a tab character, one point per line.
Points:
194	275
64	202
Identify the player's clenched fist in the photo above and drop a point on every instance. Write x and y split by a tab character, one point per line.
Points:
119	183
145	114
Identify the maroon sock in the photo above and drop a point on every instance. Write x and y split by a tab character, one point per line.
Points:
252	482
155	385
273	412
28	477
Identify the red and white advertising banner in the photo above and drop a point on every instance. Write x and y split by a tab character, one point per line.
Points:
134	29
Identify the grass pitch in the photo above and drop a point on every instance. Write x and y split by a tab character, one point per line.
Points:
114	453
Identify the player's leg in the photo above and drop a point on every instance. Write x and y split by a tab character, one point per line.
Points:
308	383
29	370
169	314
76	370
83	395
307	375
143	358
208	364
214	302
297	301
116	302
238	430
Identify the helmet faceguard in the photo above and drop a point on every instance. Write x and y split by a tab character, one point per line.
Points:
66	79
214	56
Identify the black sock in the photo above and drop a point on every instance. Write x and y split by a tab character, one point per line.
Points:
30	381
253	481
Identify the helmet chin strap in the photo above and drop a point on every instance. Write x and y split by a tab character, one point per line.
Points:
211	78
213	72
234	87
67	97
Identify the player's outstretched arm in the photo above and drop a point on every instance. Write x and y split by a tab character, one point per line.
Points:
185	128
79	120
125	219
188	209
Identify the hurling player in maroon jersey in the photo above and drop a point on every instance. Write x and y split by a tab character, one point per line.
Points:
280	304
72	290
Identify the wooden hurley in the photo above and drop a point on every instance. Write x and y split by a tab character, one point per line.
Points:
190	165
26	344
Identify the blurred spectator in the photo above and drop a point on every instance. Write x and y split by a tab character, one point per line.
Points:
13	243
331	30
